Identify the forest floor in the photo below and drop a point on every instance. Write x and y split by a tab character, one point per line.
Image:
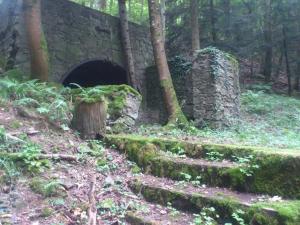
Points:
267	120
58	192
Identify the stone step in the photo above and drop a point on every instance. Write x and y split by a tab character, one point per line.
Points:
159	215
269	171
254	209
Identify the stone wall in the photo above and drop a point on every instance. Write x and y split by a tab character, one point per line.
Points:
208	91
75	34
215	88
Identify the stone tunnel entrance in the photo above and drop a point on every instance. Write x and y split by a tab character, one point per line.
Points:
96	72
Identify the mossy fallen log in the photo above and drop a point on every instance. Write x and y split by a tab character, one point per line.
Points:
20	156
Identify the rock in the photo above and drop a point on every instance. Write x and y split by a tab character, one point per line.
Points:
215	90
128	115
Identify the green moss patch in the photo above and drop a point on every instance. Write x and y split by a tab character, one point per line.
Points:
114	94
47	187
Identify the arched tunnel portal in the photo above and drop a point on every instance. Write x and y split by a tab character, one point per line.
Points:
95	72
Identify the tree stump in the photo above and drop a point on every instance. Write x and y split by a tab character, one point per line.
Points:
90	119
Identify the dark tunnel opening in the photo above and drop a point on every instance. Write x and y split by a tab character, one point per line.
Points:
95	73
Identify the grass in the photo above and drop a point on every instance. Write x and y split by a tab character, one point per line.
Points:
267	120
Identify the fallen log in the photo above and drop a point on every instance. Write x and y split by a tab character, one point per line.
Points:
20	156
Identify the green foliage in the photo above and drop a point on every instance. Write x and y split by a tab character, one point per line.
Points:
249	166
46	187
179	66
46	99
207	216
29	154
214	156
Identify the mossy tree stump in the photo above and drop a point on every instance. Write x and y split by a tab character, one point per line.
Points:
90	119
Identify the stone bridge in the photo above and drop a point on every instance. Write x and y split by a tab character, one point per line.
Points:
84	45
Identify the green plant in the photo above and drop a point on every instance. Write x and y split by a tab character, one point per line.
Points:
46	187
10	171
248	165
30	153
46	99
173	212
178	150
207	216
214	156
237	216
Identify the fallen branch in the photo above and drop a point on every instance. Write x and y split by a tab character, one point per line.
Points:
13	138
92	211
20	156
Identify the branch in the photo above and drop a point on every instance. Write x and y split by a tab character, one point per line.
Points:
92	211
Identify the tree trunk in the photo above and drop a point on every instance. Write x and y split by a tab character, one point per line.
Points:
90	119
163	19
213	21
227	11
268	41
288	70
36	40
102	5
175	114
127	44
142	9
194	4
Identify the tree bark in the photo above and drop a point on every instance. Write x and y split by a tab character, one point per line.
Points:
213	21
90	119
163	19
267	71
127	44
194	7
288	70
227	11
175	114
36	40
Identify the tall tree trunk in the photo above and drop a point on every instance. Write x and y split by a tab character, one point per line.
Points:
267	71
126	43
36	40
213	21
174	111
194	4
163	19
227	11
142	9
297	80
288	71
102	4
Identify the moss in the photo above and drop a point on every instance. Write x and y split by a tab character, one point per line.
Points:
46	187
287	214
288	211
278	172
46	212
115	95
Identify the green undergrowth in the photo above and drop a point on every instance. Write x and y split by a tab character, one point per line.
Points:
55	102
260	171
267	119
47	187
20	156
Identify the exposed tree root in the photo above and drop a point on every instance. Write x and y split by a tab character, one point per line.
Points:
92	211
